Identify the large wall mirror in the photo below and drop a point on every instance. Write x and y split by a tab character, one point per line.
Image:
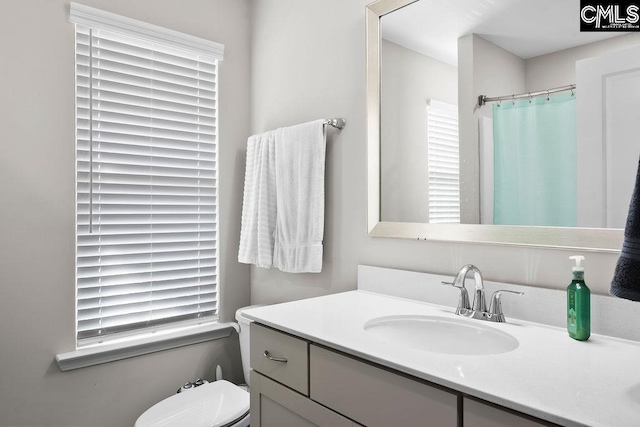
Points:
498	121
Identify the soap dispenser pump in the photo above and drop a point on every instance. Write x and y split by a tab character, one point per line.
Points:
578	303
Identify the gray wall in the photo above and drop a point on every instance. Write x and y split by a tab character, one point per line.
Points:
37	288
410	80
309	62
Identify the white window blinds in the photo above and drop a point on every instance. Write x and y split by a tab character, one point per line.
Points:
443	162
146	180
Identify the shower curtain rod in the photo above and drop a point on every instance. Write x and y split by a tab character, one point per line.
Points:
483	99
336	123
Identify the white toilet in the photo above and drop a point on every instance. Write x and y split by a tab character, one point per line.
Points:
216	404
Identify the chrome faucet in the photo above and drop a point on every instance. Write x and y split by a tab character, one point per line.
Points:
458	282
479	308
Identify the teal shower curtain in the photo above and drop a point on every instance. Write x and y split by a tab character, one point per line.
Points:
535	156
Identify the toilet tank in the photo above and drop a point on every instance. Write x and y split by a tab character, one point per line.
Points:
244	323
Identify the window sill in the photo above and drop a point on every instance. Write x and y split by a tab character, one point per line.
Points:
103	353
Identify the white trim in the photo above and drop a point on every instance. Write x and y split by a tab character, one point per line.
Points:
137	334
103	353
96	18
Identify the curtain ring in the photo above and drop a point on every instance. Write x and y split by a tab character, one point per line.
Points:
530	97
513	99
571	90
499	102
547	94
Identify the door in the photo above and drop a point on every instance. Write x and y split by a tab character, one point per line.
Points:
608	130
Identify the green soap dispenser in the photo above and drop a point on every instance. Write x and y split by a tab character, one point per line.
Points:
578	303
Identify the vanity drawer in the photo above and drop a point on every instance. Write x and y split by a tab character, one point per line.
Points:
376	397
281	357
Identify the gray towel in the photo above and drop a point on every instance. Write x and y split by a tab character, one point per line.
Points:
626	279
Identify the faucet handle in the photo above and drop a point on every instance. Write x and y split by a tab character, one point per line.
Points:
495	309
463	302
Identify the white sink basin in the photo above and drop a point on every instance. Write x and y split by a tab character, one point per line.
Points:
441	335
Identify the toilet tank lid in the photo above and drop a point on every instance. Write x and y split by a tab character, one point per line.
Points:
241	318
214	404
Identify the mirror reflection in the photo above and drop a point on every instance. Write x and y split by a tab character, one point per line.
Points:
531	155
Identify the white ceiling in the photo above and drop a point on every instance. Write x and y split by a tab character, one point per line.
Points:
526	28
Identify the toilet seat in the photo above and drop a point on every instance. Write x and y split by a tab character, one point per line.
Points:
216	404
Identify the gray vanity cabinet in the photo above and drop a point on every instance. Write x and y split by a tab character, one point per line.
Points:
297	383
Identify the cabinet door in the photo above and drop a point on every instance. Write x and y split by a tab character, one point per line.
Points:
478	414
273	405
377	397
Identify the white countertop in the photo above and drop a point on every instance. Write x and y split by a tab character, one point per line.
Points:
549	376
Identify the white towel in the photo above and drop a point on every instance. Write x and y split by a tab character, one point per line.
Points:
259	202
300	162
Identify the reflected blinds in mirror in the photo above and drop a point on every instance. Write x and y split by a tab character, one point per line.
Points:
443	162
